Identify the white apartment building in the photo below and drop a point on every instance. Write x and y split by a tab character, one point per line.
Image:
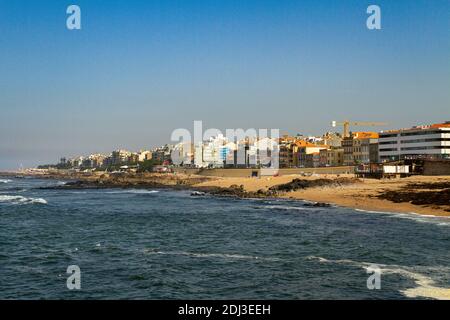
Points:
212	153
198	155
430	141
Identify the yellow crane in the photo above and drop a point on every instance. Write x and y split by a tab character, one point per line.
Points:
346	124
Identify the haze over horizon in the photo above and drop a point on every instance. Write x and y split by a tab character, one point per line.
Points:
138	70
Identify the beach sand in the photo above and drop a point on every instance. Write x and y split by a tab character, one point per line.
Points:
361	195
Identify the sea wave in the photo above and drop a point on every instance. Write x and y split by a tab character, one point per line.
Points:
133	191
371	211
437	220
5	181
425	286
21	200
209	255
13	189
282	207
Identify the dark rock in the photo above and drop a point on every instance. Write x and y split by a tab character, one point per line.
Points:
299	184
197	194
317	205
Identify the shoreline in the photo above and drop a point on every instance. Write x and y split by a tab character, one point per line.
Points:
420	195
367	195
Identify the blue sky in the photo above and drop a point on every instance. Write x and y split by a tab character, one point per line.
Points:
140	69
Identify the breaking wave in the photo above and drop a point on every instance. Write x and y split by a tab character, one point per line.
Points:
281	207
209	255
425	286
5	181
437	220
21	200
133	191
13	189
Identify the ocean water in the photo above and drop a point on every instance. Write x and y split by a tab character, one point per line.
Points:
165	244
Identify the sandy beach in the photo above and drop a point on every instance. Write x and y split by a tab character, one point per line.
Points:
362	195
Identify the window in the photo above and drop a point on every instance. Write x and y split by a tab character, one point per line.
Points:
388	149
424	148
387	142
420	133
388	135
425	140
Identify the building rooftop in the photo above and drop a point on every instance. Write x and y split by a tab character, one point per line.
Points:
422	127
365	135
303	143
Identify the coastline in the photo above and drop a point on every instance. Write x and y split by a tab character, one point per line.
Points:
423	195
365	194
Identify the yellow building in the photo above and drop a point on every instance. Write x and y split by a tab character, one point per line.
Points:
357	147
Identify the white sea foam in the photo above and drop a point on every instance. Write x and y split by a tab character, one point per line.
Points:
370	211
21	200
437	220
425	286
5	181
281	207
209	255
133	191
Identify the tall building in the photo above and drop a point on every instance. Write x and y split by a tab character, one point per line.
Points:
429	141
361	146
198	155
183	154
357	148
162	154
374	156
288	151
347	145
215	152
120	157
267	152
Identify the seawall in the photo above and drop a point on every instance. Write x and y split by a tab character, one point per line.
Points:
258	172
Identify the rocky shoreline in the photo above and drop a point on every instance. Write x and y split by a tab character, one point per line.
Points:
236	191
422	195
435	194
233	191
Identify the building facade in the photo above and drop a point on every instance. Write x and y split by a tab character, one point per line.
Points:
429	142
308	154
359	148
332	157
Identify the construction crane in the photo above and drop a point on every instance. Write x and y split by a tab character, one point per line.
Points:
346	124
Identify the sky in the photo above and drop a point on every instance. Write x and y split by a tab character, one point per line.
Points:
137	70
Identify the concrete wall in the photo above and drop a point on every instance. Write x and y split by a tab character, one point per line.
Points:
320	170
436	168
248	172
